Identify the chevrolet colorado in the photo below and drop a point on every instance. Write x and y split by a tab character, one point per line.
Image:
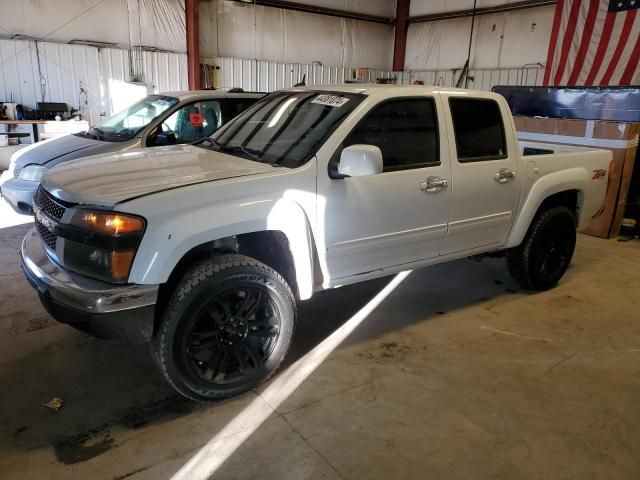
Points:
203	250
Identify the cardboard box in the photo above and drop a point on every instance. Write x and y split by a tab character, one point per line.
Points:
621	138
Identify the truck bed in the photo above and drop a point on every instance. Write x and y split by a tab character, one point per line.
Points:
548	159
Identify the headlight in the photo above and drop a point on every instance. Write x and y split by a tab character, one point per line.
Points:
32	173
106	222
102	245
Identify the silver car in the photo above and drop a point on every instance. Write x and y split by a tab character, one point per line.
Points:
163	119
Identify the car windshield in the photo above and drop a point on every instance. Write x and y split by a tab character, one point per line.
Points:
128	123
284	128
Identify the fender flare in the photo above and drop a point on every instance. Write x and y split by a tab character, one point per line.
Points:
159	254
556	182
290	219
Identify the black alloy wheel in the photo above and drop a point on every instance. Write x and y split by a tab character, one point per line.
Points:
232	335
226	328
546	251
553	255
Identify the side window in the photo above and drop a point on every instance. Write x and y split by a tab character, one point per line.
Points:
406	131
232	107
193	121
478	128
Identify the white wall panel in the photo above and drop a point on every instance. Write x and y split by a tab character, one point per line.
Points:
161	72
264	76
64	69
508	39
483	79
381	8
231	29
161	23
429	7
67	68
17	81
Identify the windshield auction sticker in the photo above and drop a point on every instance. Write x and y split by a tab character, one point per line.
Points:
330	100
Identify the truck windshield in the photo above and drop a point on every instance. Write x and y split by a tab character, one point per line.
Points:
127	124
284	128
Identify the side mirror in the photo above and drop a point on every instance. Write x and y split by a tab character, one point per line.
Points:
360	161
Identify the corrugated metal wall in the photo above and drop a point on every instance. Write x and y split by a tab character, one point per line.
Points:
265	76
483	79
52	72
161	71
55	72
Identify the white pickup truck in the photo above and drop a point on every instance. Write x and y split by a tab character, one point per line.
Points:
204	249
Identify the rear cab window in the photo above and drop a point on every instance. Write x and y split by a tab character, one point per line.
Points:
478	128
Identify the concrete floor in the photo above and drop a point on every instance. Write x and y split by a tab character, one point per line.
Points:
456	375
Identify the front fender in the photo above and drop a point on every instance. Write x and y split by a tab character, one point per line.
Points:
168	239
550	184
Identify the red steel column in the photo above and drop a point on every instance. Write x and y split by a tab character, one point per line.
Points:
193	43
400	44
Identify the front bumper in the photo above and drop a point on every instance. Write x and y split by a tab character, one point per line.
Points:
124	312
19	194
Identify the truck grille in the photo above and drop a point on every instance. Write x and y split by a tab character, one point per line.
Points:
48	205
48	237
51	210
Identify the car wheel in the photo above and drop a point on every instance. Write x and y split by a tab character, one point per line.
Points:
226	328
545	254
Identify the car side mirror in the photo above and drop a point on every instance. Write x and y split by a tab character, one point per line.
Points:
360	161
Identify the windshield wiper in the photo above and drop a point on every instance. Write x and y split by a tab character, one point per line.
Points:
96	133
207	143
252	154
212	144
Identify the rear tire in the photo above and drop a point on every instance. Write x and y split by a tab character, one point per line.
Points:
226	329
546	252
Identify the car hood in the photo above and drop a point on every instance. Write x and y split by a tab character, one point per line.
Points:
114	178
60	149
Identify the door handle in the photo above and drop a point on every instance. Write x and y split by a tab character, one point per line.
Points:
504	175
434	184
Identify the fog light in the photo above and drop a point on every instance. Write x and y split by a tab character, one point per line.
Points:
99	263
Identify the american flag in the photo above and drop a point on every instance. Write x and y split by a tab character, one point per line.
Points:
594	42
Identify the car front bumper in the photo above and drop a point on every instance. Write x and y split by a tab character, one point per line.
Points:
124	312
19	194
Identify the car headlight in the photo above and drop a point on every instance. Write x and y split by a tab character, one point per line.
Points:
102	245
32	173
108	222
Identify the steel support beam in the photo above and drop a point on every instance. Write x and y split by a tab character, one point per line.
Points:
193	43
331	12
400	42
482	11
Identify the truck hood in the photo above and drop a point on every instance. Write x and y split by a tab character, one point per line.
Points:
60	149
109	179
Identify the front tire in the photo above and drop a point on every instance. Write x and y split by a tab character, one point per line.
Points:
545	254
226	329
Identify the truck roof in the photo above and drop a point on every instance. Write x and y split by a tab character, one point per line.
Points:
187	94
370	88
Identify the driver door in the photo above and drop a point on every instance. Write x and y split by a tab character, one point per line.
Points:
391	218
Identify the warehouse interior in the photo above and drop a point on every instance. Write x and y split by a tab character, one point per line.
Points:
452	364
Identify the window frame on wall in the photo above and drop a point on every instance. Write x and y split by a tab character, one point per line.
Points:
503	137
390	169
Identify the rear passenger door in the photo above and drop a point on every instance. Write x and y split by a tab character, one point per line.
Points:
391	218
485	168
